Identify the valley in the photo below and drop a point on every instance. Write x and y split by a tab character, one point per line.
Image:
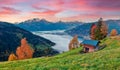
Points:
59	34
59	37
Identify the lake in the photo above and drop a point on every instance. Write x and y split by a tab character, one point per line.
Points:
59	37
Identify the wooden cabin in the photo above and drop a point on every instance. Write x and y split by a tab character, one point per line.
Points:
90	45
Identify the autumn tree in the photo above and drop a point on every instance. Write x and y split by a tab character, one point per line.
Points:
12	57
99	31
24	51
74	43
92	31
113	32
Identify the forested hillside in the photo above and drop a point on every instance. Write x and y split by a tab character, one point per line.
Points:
10	37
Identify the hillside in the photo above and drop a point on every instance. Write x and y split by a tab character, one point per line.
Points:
83	30
44	25
11	35
106	59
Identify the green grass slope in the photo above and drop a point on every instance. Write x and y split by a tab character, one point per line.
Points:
106	59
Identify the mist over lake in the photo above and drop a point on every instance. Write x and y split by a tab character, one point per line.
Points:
59	37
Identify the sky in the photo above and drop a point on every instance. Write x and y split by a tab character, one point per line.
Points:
56	10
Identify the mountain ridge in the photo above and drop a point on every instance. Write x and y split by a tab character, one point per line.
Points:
44	25
10	37
84	29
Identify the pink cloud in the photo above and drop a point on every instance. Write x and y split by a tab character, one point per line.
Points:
8	11
48	12
56	5
89	7
11	1
104	5
81	9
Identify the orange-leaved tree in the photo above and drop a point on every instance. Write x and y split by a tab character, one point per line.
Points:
92	31
24	51
99	31
12	57
113	32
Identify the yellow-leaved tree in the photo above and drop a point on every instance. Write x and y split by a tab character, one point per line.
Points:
74	43
12	57
113	32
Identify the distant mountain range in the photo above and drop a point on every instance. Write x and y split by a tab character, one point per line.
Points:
43	25
83	30
72	28
10	37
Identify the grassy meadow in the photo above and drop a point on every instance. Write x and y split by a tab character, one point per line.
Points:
105	59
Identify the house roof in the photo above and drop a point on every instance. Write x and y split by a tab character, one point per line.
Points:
90	42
